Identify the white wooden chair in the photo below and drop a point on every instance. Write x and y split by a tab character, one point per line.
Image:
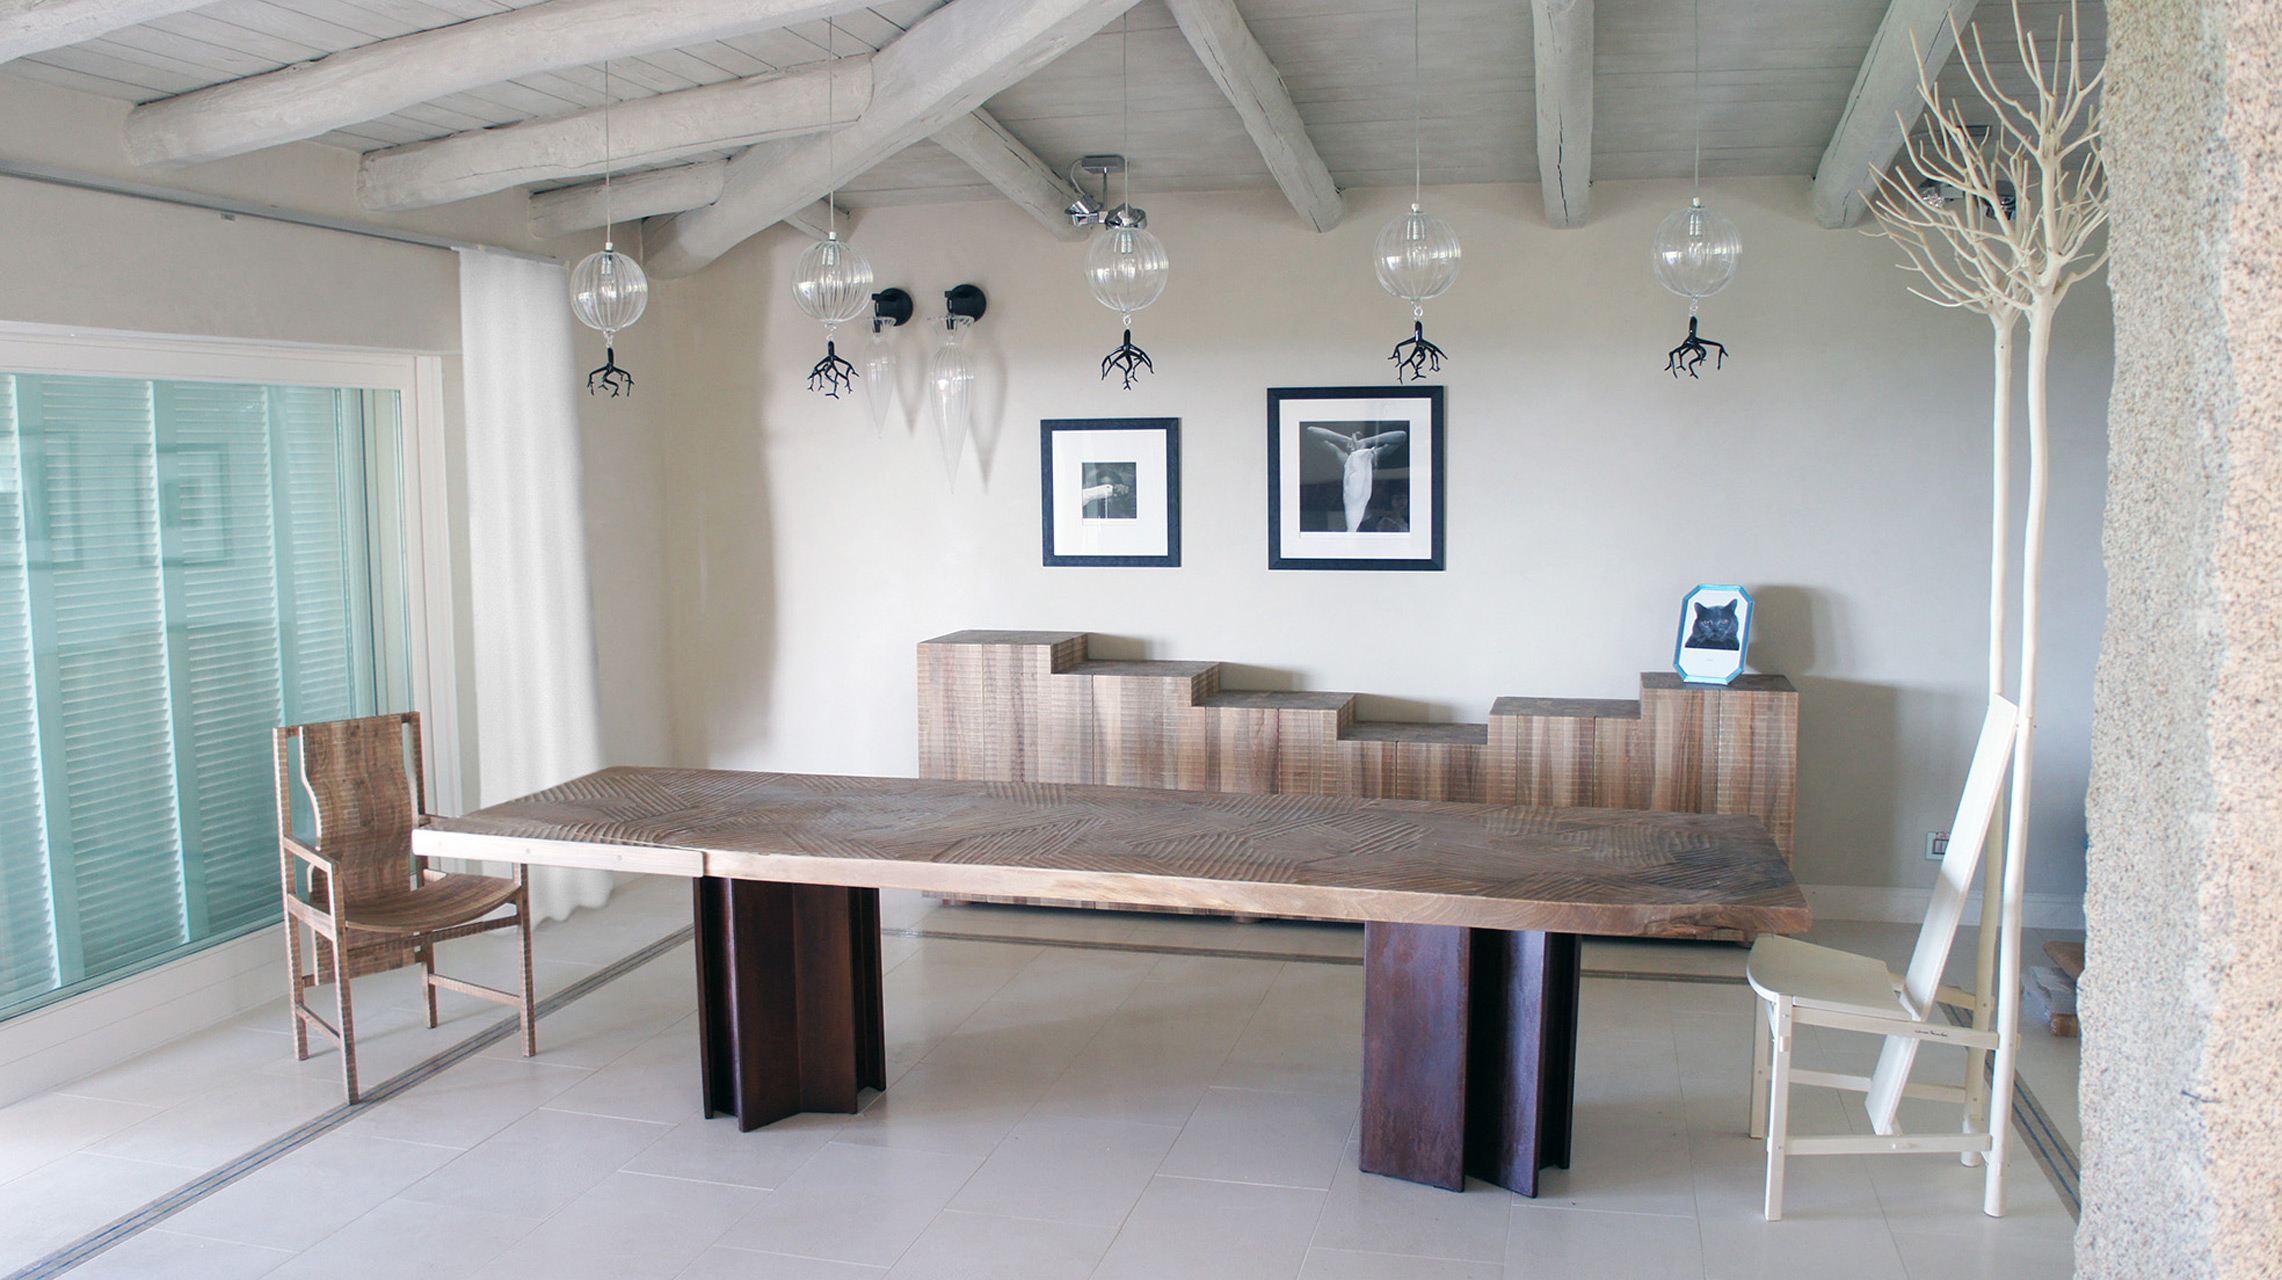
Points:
1805	984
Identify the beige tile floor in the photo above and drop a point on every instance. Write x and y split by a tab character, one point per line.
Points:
1052	1112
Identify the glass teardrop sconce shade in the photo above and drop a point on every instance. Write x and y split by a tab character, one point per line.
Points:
879	375
1126	268
608	291
1696	251
832	282
951	390
1417	256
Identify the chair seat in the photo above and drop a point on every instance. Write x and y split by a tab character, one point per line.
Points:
1822	977
438	904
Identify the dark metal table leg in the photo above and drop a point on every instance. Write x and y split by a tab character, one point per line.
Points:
789	1014
1469	1053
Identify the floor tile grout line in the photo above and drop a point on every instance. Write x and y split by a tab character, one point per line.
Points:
156	1211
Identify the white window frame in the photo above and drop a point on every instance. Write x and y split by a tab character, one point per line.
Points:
418	380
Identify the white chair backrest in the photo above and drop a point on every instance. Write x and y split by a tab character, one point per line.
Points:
1968	832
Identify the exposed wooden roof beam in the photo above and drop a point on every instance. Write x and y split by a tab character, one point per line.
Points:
637	195
645	131
1235	61
642	195
946	65
1014	169
373	80
36	26
1884	104
1564	72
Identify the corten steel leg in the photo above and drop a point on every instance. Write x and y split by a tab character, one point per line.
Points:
1469	1053
788	980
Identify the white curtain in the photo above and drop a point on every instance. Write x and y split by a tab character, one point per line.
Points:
538	718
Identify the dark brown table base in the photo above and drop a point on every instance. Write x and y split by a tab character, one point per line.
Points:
788	997
1469	1053
1469	1035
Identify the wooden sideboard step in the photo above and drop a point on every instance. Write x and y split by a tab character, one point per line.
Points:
1279	700
1567	708
1466	735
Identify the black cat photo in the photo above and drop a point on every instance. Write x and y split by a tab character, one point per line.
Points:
1714	627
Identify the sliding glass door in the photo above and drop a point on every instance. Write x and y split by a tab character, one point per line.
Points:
183	567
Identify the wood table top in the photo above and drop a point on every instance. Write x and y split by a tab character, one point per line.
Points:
1594	871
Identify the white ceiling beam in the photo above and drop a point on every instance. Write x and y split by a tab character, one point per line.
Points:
645	131
1884	105
690	186
36	26
637	195
1235	61
1564	72
1017	172
949	63
373	80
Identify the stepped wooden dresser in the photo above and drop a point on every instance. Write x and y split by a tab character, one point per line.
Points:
1472	912
1032	706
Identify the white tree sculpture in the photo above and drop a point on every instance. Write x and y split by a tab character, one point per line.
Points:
2030	196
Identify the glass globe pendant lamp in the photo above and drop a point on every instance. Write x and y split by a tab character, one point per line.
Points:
1416	257
832	283
1696	251
608	291
1126	268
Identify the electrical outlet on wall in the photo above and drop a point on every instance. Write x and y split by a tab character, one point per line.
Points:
1936	844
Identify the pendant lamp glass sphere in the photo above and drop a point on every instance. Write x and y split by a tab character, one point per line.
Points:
832	282
608	291
1126	268
1417	257
1696	251
951	390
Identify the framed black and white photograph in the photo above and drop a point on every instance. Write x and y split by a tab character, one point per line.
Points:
1355	478
1112	491
1715	634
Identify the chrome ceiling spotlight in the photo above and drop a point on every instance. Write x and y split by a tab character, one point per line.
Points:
1096	211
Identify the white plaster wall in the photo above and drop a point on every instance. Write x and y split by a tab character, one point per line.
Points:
1838	466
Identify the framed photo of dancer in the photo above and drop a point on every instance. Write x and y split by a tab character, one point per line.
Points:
1111	490
1355	478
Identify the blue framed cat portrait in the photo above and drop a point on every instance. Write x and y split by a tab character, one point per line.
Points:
1715	634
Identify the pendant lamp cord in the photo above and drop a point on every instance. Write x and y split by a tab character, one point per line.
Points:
831	164
1125	100
1699	12
607	228
1417	112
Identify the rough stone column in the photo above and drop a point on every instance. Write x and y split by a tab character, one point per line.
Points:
2182	1083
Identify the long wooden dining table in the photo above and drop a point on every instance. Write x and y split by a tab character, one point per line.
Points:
1472	916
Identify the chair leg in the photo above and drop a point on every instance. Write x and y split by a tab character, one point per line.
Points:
294	986
1762	1045
1778	1105
348	1018
427	954
530	1012
1976	1100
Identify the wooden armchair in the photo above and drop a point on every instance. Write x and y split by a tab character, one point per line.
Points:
371	903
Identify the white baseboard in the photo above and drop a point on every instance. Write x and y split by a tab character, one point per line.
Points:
120	1020
1907	906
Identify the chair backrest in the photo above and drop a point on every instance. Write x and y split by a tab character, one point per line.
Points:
365	799
1968	832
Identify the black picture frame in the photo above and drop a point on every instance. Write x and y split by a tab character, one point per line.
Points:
1137	523
1316	520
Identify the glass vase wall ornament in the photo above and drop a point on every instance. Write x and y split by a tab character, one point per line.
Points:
951	391
890	307
1126	268
608	291
1416	258
832	283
